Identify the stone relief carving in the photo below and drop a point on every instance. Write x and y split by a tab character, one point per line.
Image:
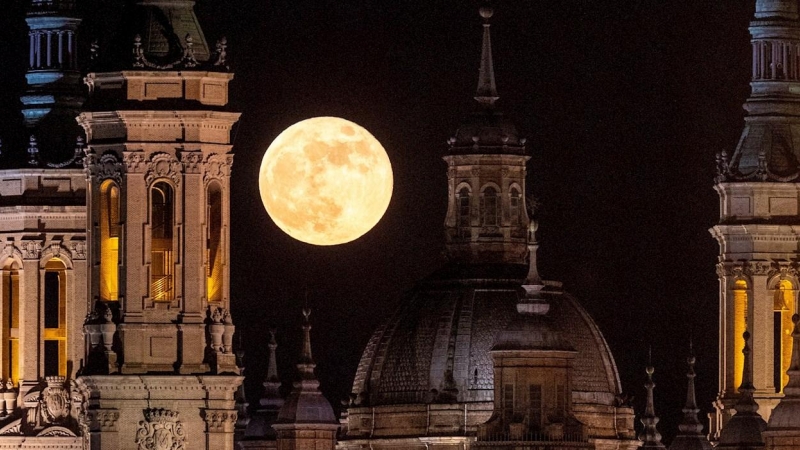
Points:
162	165
106	167
103	419
79	250
9	250
134	161
218	167
161	430
31	249
54	401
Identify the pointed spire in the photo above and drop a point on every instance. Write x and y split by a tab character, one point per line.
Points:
272	368
487	91
786	415
743	430
272	384
305	404
650	437
690	435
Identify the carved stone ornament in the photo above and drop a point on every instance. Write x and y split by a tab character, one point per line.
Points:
787	271
218	167
219	421
103	419
106	167
79	250
10	250
162	165
161	430
191	161
134	162
54	401
31	249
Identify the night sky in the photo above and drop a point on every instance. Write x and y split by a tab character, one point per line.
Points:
624	105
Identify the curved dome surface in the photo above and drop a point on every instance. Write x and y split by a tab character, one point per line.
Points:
439	341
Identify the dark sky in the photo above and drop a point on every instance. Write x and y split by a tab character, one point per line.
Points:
624	104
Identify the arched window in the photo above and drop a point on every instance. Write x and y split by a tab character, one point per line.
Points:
490	207
109	241
463	220
740	306
55	318
162	213
214	243
10	322
514	206
782	342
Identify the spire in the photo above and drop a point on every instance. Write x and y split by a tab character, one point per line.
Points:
650	437
786	416
690	435
487	91
743	430
272	384
306	404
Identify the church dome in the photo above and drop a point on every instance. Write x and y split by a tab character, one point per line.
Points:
439	341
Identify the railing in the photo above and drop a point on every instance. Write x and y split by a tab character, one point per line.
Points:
161	288
539	439
52	5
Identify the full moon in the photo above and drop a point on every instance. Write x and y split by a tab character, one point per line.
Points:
325	181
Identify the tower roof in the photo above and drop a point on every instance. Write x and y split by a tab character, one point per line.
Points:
486	130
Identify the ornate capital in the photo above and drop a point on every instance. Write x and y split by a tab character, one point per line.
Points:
103	419
134	162
31	249
191	161
220	420
106	167
78	250
161	430
163	165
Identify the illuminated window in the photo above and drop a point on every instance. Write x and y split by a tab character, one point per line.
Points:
162	211
463	209
514	206
782	329
109	241
55	318
740	306
214	243
490	207
10	323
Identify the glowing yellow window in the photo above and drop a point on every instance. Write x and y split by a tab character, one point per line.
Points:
55	318
10	323
782	333
740	306
162	211
214	244
109	241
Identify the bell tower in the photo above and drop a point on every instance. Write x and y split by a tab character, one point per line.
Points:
759	226
158	206
486	218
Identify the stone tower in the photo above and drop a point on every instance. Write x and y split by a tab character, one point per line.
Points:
759	216
486	218
159	351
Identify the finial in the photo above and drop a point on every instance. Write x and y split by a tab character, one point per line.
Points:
650	437
138	52
306	365
221	54
486	93
188	59
33	152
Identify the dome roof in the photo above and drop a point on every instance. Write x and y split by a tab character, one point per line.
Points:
440	339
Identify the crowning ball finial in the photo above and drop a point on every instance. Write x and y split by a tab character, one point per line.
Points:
486	12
